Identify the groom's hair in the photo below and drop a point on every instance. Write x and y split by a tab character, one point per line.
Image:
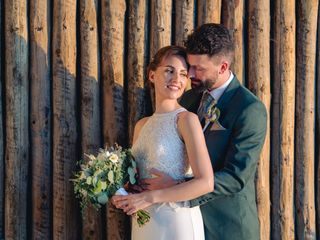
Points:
211	39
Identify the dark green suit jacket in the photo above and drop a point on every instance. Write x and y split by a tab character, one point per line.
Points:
230	212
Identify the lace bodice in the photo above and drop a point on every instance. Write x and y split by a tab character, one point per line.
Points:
159	146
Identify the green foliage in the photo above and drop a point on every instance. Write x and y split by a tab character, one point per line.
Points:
102	175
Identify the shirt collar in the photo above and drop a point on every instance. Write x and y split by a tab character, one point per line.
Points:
217	92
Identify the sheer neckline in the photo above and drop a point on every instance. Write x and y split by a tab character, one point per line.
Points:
168	113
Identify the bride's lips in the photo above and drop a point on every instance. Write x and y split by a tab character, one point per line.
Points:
173	87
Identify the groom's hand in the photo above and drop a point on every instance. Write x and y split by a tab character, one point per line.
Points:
160	181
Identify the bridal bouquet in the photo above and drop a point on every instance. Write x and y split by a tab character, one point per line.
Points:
105	175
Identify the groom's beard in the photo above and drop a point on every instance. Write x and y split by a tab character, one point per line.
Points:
200	86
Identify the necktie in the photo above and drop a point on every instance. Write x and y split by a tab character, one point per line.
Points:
204	104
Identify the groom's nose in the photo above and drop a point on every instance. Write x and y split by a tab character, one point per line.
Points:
191	72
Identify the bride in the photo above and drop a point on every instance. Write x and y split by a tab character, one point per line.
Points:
171	141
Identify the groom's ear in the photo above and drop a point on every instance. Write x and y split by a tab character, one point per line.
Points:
224	67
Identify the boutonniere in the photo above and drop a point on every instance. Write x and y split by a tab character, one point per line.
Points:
212	114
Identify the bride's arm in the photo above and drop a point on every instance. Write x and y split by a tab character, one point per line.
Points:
202	183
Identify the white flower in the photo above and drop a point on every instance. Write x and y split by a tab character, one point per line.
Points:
107	153
84	192
89	180
82	175
113	158
110	177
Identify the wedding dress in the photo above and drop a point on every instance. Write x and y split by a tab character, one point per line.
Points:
159	146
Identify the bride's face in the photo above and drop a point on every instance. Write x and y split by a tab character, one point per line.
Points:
170	77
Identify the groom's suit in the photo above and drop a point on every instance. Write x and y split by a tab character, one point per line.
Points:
234	145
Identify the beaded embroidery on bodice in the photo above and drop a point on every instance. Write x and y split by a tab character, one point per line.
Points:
159	146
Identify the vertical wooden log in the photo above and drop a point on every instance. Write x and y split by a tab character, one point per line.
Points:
318	129
160	28
136	63
305	99
239	55
17	115
227	13
160	25
114	130
113	13
233	17
1	130
259	83
283	121
40	120
90	103
184	22
209	11
65	209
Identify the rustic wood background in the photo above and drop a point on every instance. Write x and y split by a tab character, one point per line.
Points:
72	80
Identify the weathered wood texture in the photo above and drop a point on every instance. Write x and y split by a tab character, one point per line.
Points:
40	120
317	138
83	99
160	28
209	11
259	82
184	23
233	18
2	127
65	127
114	117
17	115
282	170
92	227
137	53
305	115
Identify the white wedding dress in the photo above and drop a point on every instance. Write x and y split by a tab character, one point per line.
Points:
160	146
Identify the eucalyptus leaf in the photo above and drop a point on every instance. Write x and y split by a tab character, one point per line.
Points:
131	175
134	164
94	181
103	198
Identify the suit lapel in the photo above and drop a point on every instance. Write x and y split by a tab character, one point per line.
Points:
227	95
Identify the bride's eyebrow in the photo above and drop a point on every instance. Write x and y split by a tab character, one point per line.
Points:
174	67
169	66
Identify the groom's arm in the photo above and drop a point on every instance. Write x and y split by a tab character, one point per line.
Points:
247	139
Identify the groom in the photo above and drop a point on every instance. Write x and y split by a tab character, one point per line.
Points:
234	140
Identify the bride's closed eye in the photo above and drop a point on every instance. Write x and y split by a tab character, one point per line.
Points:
169	70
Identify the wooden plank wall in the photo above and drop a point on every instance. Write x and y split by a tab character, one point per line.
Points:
73	80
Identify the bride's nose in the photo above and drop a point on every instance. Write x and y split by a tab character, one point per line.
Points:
177	78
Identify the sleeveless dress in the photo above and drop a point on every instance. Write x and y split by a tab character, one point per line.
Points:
159	146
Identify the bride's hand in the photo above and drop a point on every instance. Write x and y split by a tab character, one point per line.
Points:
133	202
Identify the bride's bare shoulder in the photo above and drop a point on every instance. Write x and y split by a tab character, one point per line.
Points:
139	125
141	122
187	116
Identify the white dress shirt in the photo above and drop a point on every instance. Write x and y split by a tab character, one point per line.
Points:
216	93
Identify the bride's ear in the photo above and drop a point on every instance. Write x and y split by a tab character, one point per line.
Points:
151	76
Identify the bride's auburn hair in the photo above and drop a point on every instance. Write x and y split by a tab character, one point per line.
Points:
162	54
